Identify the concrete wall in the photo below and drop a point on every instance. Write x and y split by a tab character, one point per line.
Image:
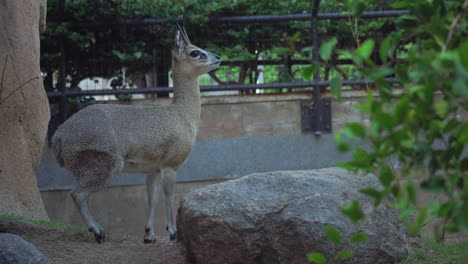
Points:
238	135
119	209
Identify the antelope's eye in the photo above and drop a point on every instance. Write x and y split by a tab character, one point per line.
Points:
195	53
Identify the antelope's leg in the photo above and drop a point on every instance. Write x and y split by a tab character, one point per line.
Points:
168	182
152	183
94	171
80	197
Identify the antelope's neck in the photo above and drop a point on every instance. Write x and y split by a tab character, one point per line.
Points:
187	96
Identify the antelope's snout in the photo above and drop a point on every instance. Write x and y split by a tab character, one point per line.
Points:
215	60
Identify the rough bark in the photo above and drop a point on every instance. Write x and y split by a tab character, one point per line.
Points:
24	108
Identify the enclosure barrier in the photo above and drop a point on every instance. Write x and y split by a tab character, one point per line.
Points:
316	107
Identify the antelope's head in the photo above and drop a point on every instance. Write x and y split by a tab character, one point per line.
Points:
191	59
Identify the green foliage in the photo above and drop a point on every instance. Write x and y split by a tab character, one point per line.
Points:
359	238
333	234
104	51
11	217
335	86
416	126
69	231
327	48
37	222
345	254
353	211
317	258
364	51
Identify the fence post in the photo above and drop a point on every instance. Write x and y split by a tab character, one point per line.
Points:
317	105
62	81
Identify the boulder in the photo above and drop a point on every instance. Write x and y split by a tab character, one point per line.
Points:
24	108
15	250
279	217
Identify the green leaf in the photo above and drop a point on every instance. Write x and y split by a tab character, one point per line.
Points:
358	7
463	54
374	193
406	212
361	158
381	72
365	50
353	211
359	238
400	4
308	71
401	71
356	129
402	202
463	134
442	108
345	254
386	176
343	146
411	192
138	54
326	49
384	48
333	234
317	258
335	86
401	109
74	100
384	120
344	54
421	217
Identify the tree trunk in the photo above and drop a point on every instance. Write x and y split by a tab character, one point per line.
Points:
24	108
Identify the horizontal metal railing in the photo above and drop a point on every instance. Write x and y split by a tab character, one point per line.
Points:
221	87
238	19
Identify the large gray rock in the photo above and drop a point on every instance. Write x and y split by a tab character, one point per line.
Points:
15	250
279	217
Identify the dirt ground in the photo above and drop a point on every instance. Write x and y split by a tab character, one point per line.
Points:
76	246
72	245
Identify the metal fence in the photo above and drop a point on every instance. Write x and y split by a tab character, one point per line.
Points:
160	83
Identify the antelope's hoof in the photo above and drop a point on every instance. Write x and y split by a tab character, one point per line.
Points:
172	237
149	241
100	236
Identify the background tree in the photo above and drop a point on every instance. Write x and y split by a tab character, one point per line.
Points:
103	51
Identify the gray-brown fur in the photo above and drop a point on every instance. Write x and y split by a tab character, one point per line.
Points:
101	141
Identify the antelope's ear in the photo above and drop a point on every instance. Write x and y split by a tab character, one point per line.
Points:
179	45
181	41
184	35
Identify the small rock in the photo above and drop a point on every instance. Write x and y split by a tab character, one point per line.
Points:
15	250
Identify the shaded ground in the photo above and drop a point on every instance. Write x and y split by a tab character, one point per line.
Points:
70	245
